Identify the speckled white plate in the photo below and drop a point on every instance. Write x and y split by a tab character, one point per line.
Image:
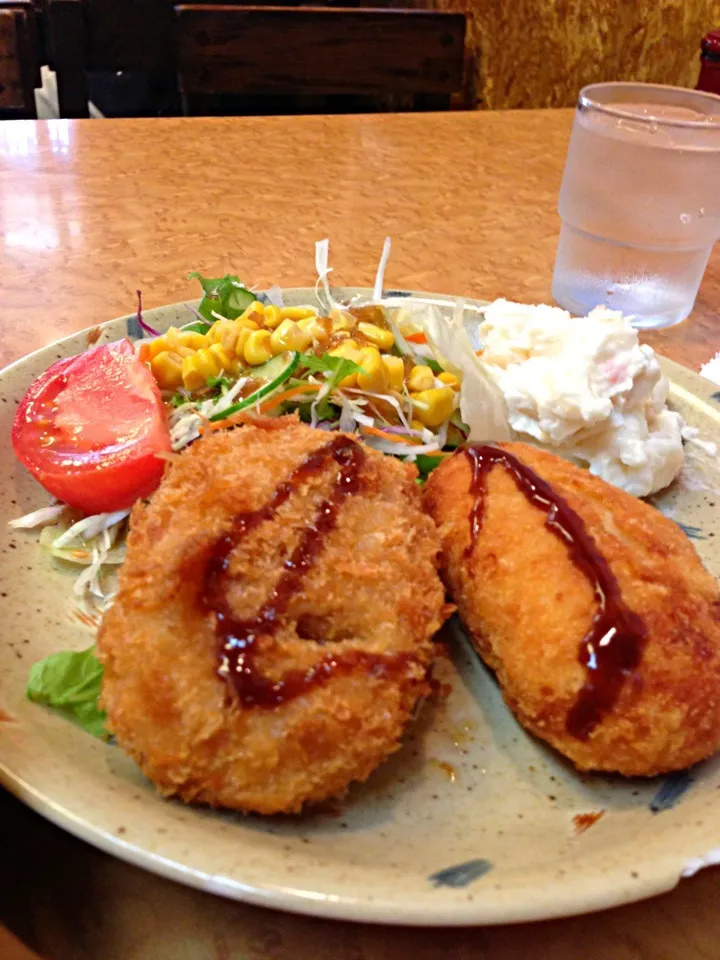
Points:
471	822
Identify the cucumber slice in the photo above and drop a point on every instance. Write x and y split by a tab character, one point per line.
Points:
273	368
275	372
239	299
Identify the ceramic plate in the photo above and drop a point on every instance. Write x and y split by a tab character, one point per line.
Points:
473	821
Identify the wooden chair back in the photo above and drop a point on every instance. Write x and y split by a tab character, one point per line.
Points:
127	35
107	35
19	59
320	50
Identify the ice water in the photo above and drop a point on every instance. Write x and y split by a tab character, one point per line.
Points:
640	209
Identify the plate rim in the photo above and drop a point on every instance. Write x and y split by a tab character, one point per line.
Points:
666	872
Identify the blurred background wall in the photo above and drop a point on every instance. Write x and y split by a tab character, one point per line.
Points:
538	53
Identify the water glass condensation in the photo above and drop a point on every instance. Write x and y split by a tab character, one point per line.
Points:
639	202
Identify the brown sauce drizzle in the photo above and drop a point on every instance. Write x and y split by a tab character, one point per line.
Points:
613	646
239	639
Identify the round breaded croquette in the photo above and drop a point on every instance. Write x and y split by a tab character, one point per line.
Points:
528	609
348	649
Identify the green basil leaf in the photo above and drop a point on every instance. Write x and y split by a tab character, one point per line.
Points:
69	682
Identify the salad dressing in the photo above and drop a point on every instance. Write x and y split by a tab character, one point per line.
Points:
239	640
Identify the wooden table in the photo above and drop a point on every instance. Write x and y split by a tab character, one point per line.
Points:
92	210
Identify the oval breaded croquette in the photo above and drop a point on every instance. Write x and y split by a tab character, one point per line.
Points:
601	624
272	633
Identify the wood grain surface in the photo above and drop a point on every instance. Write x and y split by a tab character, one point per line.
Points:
92	210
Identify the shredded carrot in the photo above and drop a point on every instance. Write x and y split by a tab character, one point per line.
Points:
417	338
387	436
275	401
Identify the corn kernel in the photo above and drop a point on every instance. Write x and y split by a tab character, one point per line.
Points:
171	336
395	370
192	377
349	350
449	379
246	323
253	312
224	332
289	336
257	348
192	339
374	377
272	317
183	351
319	328
206	364
243	335
297	313
342	320
421	378
376	335
156	346
437	405
223	361
167	370
417	425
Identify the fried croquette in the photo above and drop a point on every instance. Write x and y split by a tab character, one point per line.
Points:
593	609
272	633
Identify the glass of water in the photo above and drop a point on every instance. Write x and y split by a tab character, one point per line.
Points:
640	201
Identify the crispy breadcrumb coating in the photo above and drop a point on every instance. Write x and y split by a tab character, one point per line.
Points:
527	608
373	588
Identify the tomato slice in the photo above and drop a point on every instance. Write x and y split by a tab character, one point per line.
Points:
90	428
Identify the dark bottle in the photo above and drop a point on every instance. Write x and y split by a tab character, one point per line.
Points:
709	79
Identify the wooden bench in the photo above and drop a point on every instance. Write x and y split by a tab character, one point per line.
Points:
262	50
415	52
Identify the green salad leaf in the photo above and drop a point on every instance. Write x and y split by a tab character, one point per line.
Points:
433	364
426	464
197	327
220	382
69	682
225	295
337	367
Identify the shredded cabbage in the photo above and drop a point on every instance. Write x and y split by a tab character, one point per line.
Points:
380	275
95	543
322	256
275	296
482	405
39	518
186	420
